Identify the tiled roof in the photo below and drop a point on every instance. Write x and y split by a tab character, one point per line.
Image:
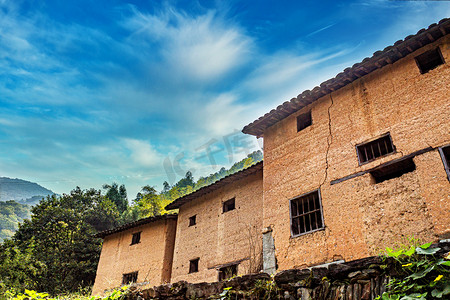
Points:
214	186
378	60
140	222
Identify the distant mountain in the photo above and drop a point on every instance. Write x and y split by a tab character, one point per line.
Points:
22	191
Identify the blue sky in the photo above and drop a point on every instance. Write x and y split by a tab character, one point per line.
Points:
139	92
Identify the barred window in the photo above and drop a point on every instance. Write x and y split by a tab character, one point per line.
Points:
129	278
306	213
372	150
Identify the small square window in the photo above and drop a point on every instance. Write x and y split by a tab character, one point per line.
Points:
306	214
129	278
228	205
193	265
393	170
429	60
303	121
228	272
445	155
136	238
372	150
193	220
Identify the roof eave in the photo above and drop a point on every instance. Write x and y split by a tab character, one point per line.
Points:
378	60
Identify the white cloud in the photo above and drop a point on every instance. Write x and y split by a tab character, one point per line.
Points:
202	47
142	152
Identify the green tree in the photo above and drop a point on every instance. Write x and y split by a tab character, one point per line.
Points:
150	203
118	195
188	180
60	240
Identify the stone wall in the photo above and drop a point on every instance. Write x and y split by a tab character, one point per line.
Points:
151	257
361	216
362	279
220	238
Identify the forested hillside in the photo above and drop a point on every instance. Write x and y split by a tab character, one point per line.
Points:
55	250
22	191
11	213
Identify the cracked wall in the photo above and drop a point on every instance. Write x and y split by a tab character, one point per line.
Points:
360	216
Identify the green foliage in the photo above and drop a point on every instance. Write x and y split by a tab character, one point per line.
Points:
11	214
422	274
266	289
56	250
118	195
251	159
150	203
117	294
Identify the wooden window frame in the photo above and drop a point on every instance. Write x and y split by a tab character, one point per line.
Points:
445	160
366	143
133	239
320	209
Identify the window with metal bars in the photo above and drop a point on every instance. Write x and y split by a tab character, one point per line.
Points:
429	60
445	155
306	213
129	278
136	238
372	150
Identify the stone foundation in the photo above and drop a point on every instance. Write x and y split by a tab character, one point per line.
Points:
363	279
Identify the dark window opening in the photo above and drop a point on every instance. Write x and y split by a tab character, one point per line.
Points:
229	205
193	265
129	278
370	151
306	213
193	220
303	121
429	60
136	238
394	170
228	272
445	155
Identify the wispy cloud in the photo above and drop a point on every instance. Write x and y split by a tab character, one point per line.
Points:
84	103
320	30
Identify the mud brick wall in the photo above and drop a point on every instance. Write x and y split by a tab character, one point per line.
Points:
361	216
220	238
151	257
